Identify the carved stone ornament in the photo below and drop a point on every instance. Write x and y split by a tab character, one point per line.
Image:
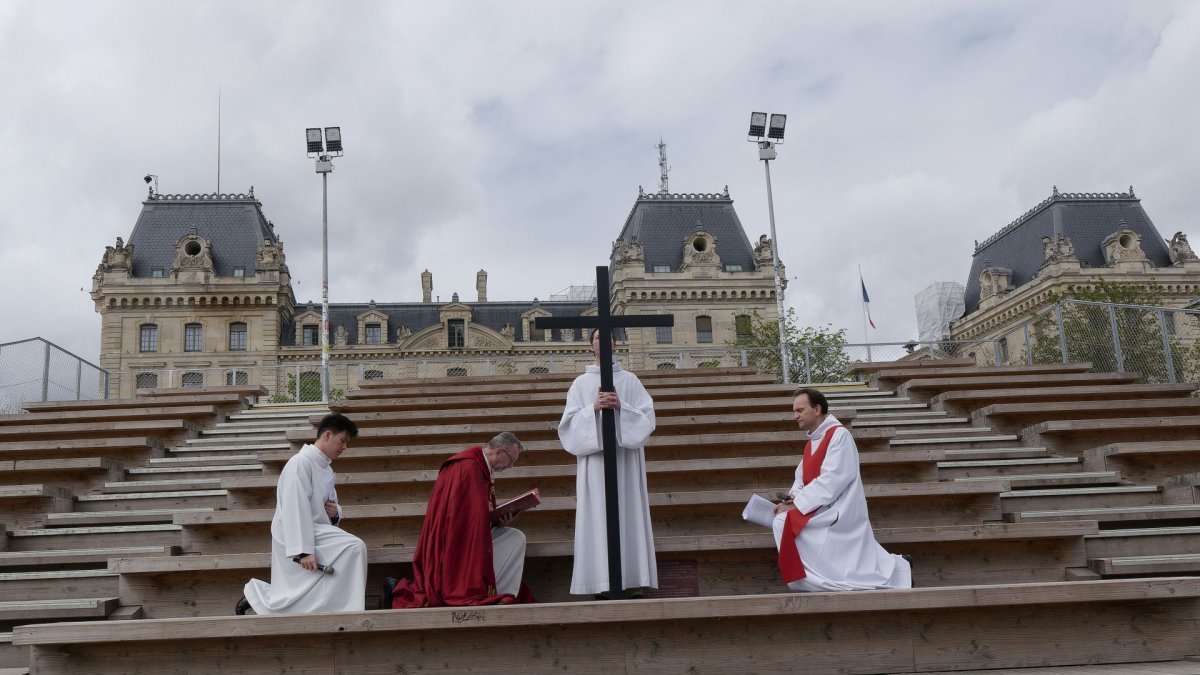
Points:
994	281
403	332
269	257
1180	250
630	251
700	248
763	252
192	253
1124	245
341	336
507	331
119	257
1060	250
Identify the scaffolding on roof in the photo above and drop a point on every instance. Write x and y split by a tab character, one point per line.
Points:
575	294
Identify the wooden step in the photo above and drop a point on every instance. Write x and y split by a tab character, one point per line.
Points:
56	585
927	629
1136	541
1080	498
194	472
923	389
954	442
168	485
203	460
72	538
126	502
1075	436
130	517
673	513
1045	480
26	611
963	402
1145	462
1125	514
1012	417
78	558
895	378
127	450
1146	565
1007	468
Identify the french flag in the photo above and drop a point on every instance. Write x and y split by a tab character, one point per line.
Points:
866	301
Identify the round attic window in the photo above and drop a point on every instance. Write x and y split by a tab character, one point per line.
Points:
700	244
192	248
1126	241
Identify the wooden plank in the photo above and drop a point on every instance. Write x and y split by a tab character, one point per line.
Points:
240	390
890	379
863	632
1011	417
223	401
871	367
645	375
68	430
1075	436
964	401
922	389
451	387
195	413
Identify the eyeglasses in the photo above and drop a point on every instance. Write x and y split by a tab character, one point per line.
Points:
512	461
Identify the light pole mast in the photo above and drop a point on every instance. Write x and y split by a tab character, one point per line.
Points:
766	152
324	149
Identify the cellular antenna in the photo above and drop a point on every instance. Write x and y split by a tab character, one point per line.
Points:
663	169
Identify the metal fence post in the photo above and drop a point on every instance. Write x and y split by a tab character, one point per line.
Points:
46	372
1162	328
1116	338
1028	346
1062	333
807	365
297	399
78	379
745	357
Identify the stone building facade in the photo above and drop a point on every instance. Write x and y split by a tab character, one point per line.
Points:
1069	240
201	296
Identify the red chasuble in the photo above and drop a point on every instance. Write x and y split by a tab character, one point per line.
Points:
453	563
790	565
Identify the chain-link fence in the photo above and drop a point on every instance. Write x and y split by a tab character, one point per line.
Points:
1159	343
38	370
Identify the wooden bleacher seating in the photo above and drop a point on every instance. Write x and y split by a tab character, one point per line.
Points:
1012	417
1076	436
964	402
1024	554
895	378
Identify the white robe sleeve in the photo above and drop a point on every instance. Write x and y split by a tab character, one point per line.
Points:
578	428
295	490
838	471
635	419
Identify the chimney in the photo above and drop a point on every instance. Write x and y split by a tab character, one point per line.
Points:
481	285
426	286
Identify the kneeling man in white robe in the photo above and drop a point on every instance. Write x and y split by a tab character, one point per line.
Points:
821	528
306	544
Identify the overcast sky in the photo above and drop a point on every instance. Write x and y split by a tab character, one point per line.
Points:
513	136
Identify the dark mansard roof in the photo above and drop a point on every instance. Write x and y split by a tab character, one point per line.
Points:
663	221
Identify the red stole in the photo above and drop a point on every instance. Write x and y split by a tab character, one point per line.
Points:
790	565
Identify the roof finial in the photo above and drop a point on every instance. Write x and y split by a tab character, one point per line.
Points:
1054	192
1131	191
663	169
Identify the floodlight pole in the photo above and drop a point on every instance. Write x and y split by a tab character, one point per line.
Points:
766	152
324	167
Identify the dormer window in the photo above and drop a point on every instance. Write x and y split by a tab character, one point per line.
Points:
157	273
662	268
733	268
239	271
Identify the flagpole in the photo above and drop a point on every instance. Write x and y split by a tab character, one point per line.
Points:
866	337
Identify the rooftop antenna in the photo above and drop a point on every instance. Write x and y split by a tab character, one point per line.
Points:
663	169
218	139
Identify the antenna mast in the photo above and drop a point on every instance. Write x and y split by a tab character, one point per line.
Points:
663	169
218	139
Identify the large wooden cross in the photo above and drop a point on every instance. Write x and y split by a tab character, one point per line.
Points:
606	322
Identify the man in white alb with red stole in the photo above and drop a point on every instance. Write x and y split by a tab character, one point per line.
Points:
821	528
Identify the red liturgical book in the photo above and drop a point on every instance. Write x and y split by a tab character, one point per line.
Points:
516	505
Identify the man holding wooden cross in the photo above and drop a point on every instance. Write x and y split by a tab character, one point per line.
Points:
821	527
462	557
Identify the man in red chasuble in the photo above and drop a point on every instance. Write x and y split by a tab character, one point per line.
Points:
460	558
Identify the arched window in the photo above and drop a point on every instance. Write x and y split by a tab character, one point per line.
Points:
147	380
704	333
237	337
193	380
539	370
373	375
148	338
193	337
456	372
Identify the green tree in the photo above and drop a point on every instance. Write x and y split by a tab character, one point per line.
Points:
816	354
310	390
1087	330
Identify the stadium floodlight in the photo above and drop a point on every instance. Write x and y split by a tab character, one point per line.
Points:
315	144
776	129
758	124
333	139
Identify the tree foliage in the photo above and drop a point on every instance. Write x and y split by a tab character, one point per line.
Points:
1088	330
816	354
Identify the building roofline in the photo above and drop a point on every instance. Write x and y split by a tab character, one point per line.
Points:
1055	197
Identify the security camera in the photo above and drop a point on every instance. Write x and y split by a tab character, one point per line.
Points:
147	179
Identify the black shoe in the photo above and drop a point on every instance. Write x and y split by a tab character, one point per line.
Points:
389	587
907	558
242	607
603	595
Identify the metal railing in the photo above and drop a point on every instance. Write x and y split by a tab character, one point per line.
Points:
1159	343
301	382
39	370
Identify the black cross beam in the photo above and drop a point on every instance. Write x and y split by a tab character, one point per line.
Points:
606	322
